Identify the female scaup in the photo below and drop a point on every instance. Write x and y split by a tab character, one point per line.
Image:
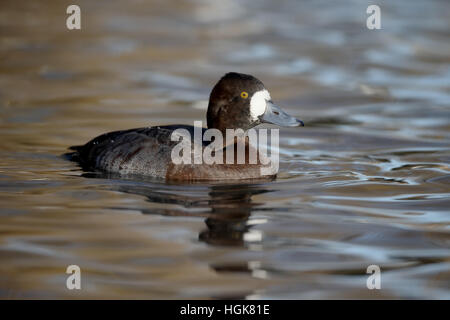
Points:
236	101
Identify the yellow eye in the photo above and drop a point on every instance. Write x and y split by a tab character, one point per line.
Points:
244	95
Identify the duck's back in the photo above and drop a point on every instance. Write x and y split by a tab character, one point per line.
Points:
136	151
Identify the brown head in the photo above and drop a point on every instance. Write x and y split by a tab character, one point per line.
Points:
242	101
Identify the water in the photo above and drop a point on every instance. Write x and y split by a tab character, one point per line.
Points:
365	182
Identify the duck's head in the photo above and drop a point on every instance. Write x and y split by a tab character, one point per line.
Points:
241	101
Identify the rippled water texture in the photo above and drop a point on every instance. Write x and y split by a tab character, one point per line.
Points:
366	181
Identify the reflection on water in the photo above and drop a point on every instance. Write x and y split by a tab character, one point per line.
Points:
365	182
225	207
227	211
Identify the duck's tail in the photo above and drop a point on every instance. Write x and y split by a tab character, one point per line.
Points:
75	148
73	156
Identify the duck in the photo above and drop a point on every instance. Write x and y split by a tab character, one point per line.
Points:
237	101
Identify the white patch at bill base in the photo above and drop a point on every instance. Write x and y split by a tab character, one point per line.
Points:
258	103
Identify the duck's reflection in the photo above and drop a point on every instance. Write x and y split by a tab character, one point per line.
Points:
227	208
230	212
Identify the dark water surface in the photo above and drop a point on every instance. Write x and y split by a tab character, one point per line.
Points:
365	182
